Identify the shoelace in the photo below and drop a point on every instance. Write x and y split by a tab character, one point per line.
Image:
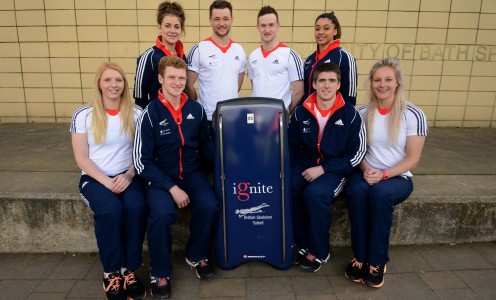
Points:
310	257
162	282
113	283
129	279
356	264
374	269
202	263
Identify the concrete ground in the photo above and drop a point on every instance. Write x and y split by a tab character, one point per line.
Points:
461	271
37	158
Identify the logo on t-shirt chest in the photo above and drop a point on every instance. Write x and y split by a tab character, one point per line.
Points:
212	60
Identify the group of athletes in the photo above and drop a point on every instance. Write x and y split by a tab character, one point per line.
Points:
142	161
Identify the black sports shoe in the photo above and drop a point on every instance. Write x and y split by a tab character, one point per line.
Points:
161	288
113	287
299	255
374	276
204	270
354	271
133	286
311	263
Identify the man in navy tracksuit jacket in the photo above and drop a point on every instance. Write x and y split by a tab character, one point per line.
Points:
170	135
347	66
326	141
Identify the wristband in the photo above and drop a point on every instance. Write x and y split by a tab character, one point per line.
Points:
385	175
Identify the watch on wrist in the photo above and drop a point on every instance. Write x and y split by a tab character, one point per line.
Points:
385	175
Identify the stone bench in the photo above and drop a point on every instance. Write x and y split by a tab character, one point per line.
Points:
442	209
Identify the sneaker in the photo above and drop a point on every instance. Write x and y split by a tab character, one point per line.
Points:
204	270
311	263
133	286
299	255
113	287
375	277
354	271
161	288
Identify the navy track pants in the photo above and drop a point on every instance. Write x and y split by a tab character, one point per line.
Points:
370	208
312	210
120	222
203	207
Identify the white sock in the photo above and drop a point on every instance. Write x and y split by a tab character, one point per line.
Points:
106	275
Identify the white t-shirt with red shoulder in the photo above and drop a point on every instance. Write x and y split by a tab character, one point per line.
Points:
218	69
115	154
273	71
380	154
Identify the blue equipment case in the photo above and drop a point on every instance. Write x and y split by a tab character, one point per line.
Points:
252	183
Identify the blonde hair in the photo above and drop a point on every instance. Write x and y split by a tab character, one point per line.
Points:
99	118
399	103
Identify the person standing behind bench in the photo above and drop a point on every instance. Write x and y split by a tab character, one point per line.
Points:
326	140
328	35
102	139
170	19
274	68
171	133
217	62
396	132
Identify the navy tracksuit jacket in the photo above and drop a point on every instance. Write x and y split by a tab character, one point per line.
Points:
347	65
146	83
339	149
166	153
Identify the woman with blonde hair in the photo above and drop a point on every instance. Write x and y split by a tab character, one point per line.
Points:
396	131
102	140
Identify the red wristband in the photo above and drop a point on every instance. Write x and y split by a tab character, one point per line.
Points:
385	175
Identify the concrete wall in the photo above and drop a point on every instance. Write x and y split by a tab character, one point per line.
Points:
50	49
63	223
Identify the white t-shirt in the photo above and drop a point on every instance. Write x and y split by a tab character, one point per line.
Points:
218	70
380	154
272	72
114	155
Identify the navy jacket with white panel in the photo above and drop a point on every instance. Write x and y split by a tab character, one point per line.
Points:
168	143
339	149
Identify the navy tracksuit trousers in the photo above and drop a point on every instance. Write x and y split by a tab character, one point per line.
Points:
312	210
203	207
120	222
370	208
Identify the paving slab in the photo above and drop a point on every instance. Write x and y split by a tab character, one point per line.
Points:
404	280
406	286
347	289
483	282
74	266
453	257
269	288
17	289
14	266
47	296
56	286
457	294
415	262
311	285
442	280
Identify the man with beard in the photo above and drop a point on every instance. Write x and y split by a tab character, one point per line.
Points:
217	62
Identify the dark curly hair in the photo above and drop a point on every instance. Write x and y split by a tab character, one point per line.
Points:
171	8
